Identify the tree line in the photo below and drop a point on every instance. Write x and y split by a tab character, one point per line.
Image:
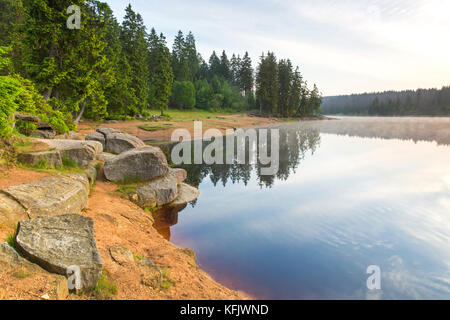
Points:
122	70
421	102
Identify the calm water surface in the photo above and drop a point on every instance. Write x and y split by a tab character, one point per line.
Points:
350	194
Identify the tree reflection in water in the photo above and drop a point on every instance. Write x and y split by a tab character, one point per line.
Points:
295	143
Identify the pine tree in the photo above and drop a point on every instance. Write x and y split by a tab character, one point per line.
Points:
225	66
295	94
192	57
235	66
134	44
180	63
214	66
267	84
246	74
161	75
285	78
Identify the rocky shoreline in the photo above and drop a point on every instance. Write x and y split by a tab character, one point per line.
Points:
54	231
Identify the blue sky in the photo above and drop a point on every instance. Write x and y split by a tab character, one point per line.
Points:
345	46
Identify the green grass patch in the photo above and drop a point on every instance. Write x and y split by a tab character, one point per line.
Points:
69	163
166	282
106	289
21	274
156	126
11	240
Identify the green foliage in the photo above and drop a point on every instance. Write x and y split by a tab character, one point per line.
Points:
11	240
156	127
161	75
183	95
69	163
21	274
106	289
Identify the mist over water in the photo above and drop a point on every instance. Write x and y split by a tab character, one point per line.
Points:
349	194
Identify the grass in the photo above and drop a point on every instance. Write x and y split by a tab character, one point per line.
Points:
21	274
106	289
156	126
166	283
192	114
11	240
139	257
69	163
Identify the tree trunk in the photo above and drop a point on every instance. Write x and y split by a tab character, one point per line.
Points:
83	107
47	94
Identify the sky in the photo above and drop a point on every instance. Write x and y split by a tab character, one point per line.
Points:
344	46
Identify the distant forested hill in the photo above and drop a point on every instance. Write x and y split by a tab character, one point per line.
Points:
391	103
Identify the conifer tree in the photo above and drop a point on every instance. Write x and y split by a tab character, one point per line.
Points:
246	74
161	75
134	44
267	84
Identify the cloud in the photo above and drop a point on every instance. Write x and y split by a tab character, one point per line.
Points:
344	46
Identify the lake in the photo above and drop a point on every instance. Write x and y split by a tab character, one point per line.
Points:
350	193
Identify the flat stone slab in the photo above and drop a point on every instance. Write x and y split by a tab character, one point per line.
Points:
57	243
10	210
50	158
105	156
83	152
142	164
50	196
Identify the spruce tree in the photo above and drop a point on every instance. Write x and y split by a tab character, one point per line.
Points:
161	75
267	84
246	74
134	44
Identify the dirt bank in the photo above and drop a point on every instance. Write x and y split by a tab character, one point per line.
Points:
221	122
118	222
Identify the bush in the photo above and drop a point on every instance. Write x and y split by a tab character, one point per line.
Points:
20	95
183	95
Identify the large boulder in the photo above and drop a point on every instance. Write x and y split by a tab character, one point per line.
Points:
48	197
141	164
57	243
122	142
158	192
97	136
82	152
186	194
48	158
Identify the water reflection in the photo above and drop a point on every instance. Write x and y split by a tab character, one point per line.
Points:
339	203
295	143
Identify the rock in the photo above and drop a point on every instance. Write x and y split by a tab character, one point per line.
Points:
180	175
43	134
121	142
45	297
141	164
50	158
159	192
49	197
10	210
91	174
186	194
57	243
121	255
44	126
151	274
83	152
26	117
105	156
106	131
72	135
97	136
10	260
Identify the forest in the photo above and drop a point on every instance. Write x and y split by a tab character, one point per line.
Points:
421	102
123	71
